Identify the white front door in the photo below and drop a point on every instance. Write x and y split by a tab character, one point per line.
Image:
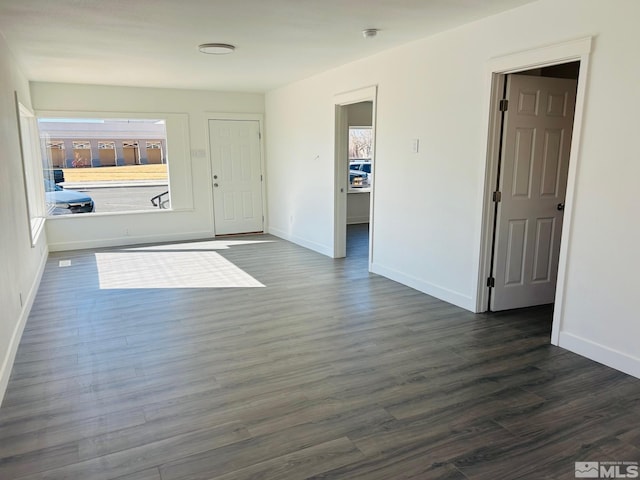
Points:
237	176
533	178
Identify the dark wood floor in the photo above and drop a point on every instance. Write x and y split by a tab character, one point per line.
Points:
325	372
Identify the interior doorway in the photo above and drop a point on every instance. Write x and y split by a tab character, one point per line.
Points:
533	138
354	178
537	124
577	50
360	184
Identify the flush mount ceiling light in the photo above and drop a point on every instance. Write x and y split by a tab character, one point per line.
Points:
216	48
370	32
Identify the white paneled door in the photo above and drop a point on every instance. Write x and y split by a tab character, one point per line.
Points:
533	179
237	176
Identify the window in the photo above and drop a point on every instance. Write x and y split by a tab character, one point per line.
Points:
360	143
360	149
31	170
105	165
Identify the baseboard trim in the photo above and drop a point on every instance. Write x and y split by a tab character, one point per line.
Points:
125	241
600	353
441	293
303	242
7	362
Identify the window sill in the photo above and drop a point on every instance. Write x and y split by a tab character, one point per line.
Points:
37	227
114	214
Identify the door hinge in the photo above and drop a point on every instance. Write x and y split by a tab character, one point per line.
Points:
491	282
260	177
260	135
504	105
497	196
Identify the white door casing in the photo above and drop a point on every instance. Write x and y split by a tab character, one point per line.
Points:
341	174
237	176
533	179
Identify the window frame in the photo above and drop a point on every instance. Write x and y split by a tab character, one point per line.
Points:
32	169
177	157
350	160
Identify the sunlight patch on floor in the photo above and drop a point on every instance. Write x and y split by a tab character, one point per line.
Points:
146	268
193	246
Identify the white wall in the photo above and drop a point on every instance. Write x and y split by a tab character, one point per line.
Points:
187	130
20	263
436	90
360	114
358	207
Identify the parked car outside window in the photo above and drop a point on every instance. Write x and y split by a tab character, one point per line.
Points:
360	165
358	179
66	201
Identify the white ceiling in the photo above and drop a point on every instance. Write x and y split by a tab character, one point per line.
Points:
154	42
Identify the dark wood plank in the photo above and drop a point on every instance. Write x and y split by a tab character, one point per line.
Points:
261	448
303	463
146	456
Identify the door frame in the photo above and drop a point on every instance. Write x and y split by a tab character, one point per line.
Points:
340	103
497	70
259	117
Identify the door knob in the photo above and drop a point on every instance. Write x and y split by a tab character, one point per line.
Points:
560	206
215	177
215	184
